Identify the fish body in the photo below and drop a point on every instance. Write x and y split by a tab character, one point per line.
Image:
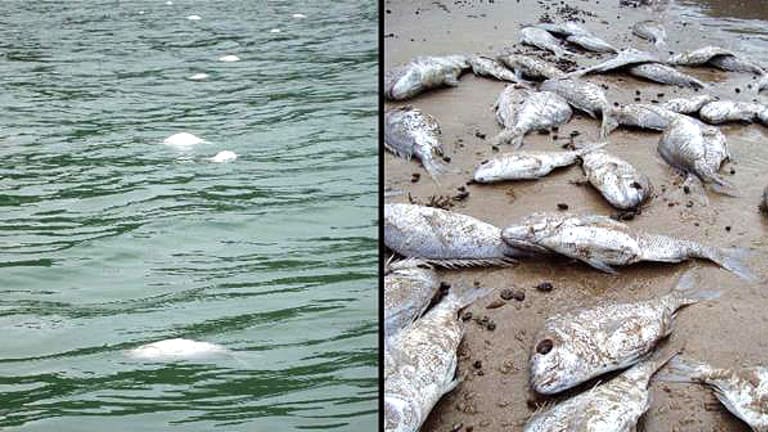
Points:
575	346
485	66
423	73
410	132
716	57
731	111
602	242
530	68
641	116
526	165
541	39
591	43
650	30
536	111
409	286
688	105
444	238
621	184
664	74
420	363
582	95
615	406
696	149
744	392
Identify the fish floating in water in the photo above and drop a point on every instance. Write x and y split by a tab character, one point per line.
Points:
743	392
423	73
602	242
582	95
444	238
575	346
176	349
621	184
527	165
410	132
522	111
614	406
409	286
652	31
716	57
542	40
526	67
420	362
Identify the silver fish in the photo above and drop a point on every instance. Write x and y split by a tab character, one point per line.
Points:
730	111
641	116
615	406
485	66
420	363
688	105
423	73
444	238
409	286
538	110
527	165
650	30
664	74
717	57
575	346
530	68
696	149
744	392
582	95
591	43
621	184
541	39
603	242
411	132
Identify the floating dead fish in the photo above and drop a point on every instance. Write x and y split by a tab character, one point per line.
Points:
420	363
641	116
576	346
718	112
603	242
541	39
650	30
444	238
621	184
409	286
176	349
411	132
688	105
530	68
582	95
522	111
527	165
743	392
423	73
485	66
716	57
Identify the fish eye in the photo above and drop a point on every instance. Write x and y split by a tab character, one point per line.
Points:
544	346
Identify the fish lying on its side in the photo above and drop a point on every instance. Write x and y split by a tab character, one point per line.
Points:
423	73
530	67
410	132
696	149
486	66
720	111
582	95
444	238
420	363
641	116
688	105
576	346
523	111
603	242
527	165
744	392
716	57
541	39
409	286
615	406
621	184
650	30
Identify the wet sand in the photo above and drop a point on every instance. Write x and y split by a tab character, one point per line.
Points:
730	331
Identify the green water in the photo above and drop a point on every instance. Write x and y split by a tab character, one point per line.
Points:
110	239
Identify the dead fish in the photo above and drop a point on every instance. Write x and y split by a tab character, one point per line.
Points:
744	391
444	238
583	96
688	105
423	73
615	406
641	116
527	165
621	184
530	68
591	43
716	57
650	30
696	149
485	66
541	39
718	112
420	363
537	111
664	74
409	286
623	58
603	242
410	132
575	346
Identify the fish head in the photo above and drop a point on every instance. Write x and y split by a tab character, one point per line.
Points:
488	171
555	366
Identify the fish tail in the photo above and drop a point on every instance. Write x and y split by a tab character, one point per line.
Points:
733	260
683	371
724	187
688	292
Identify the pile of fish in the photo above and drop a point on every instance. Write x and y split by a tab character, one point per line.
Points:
574	347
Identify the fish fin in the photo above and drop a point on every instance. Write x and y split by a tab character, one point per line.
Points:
724	187
733	260
600	265
682	371
688	292
472	262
